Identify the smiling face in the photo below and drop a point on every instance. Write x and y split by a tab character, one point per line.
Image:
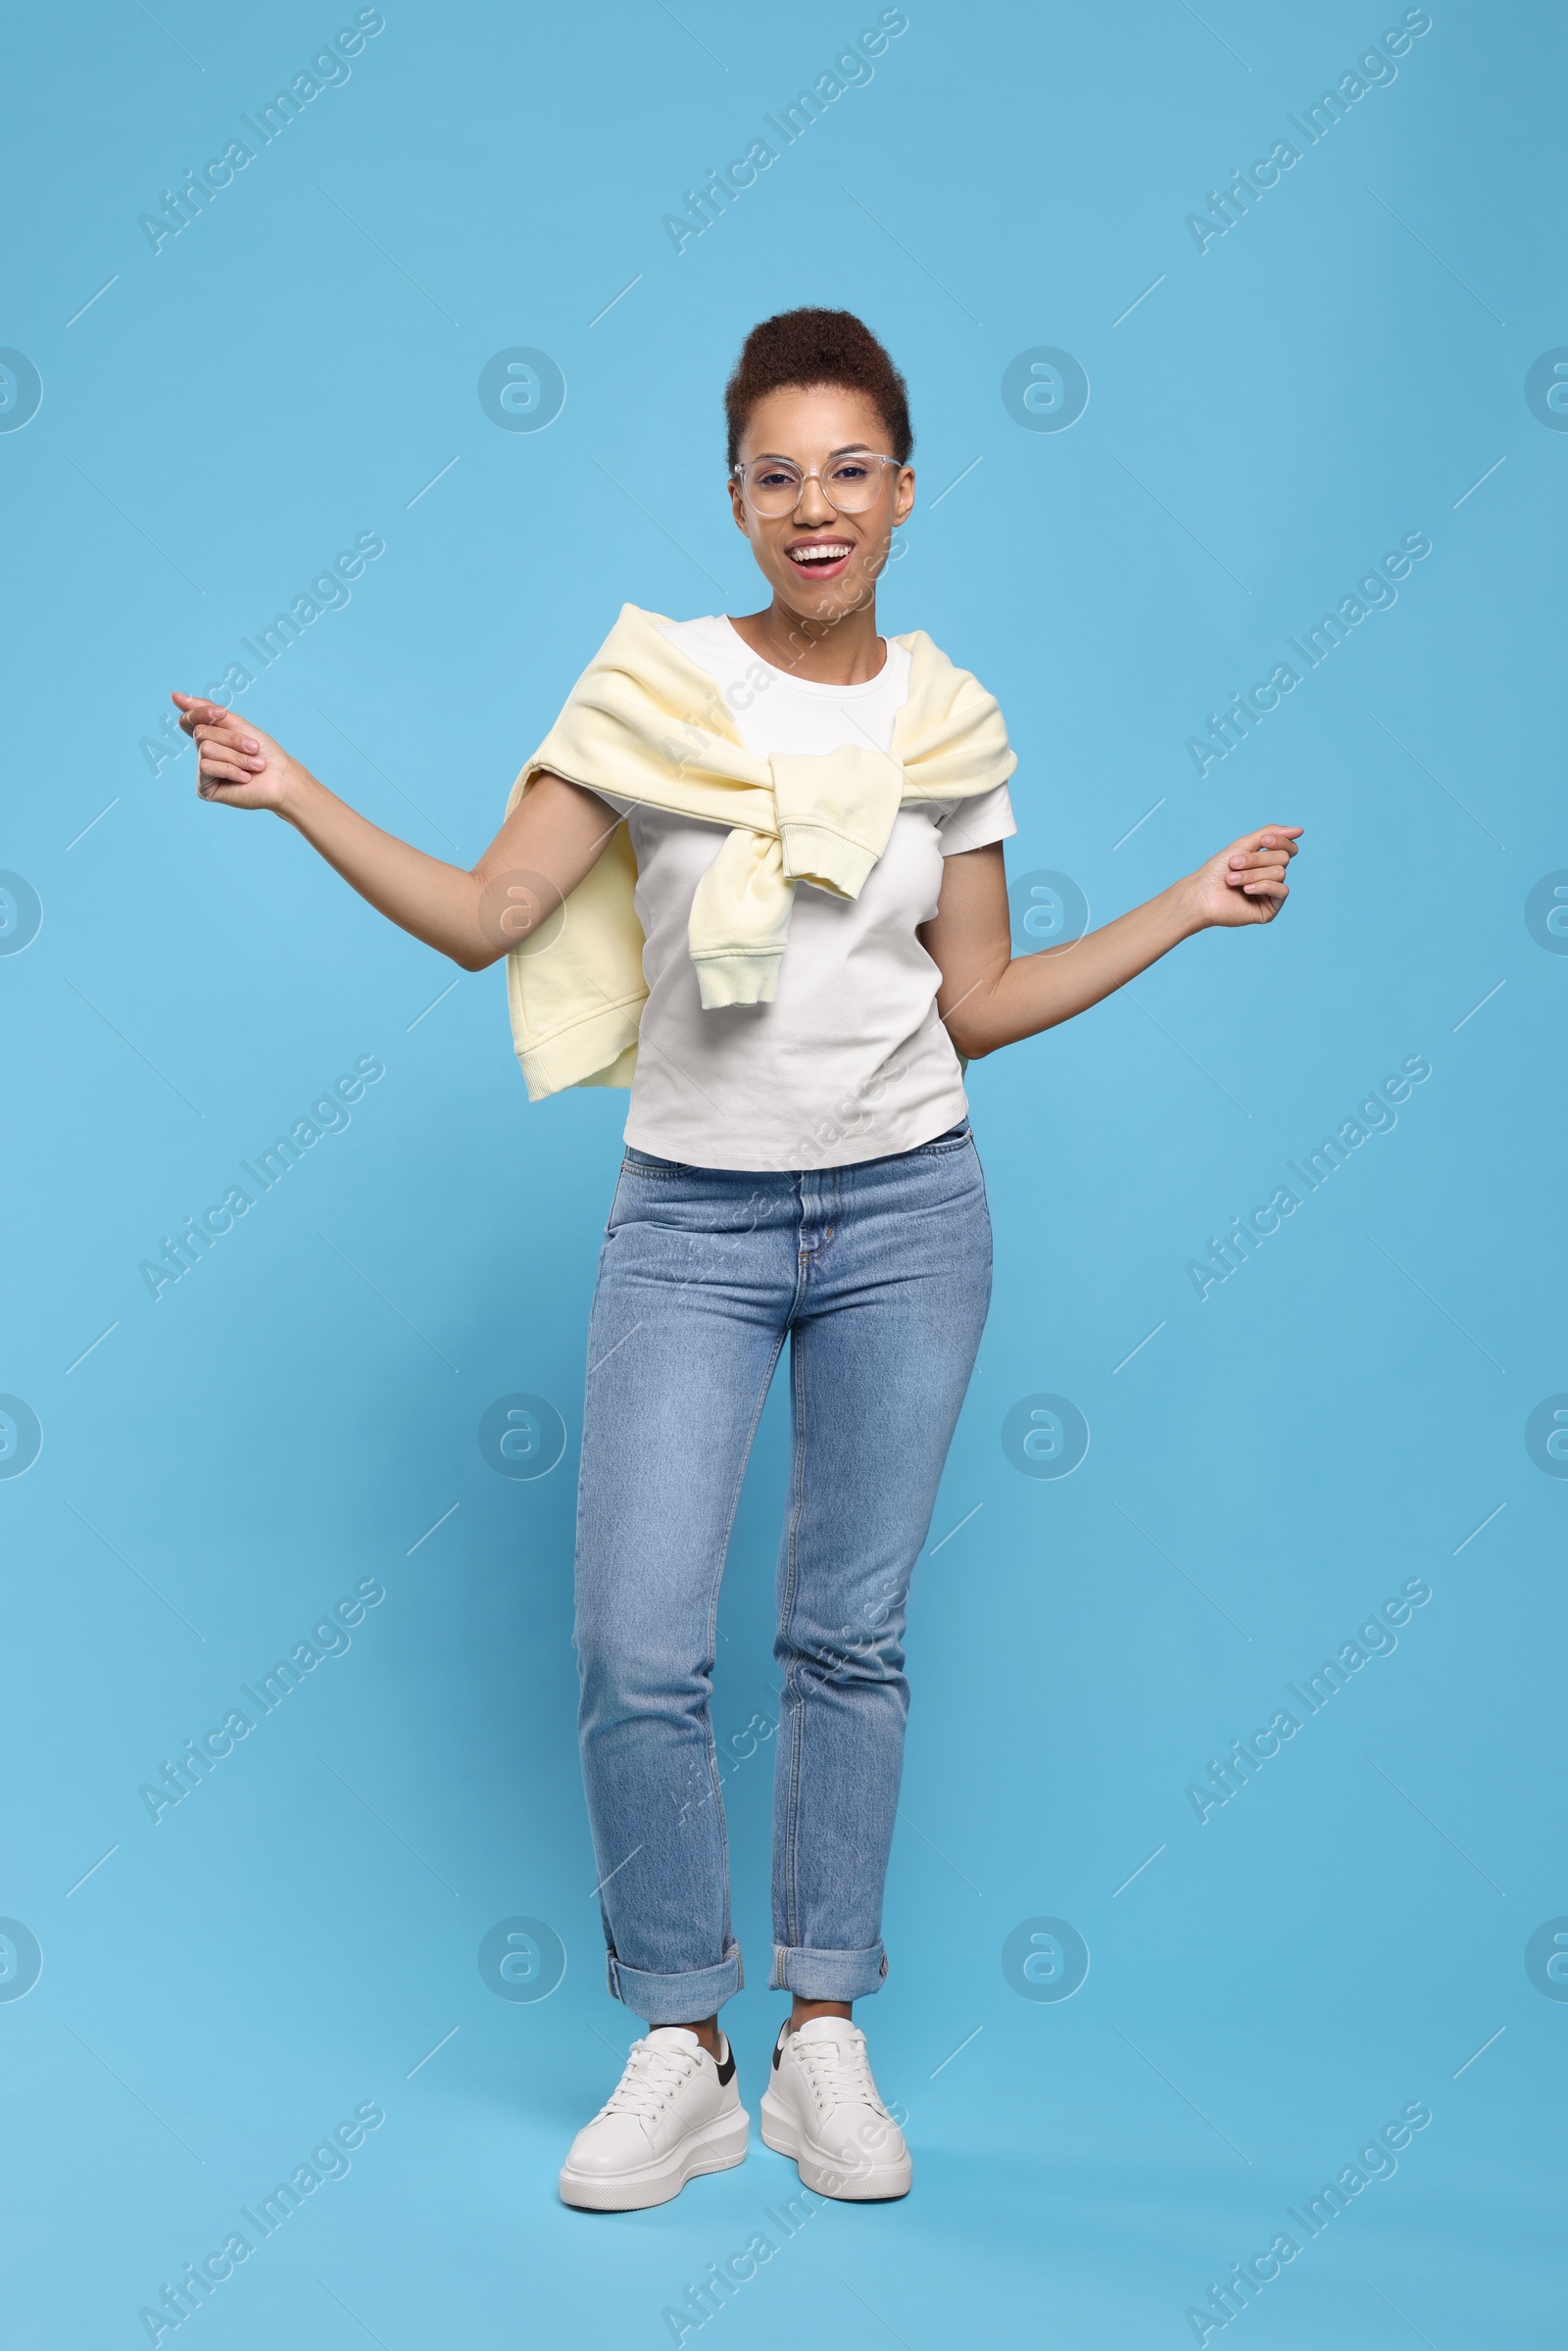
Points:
821	563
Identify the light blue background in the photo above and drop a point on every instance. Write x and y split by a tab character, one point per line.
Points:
1342	1414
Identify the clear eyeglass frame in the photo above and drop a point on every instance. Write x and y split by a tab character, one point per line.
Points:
845	496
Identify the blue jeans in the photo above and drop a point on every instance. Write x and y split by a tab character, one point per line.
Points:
880	1275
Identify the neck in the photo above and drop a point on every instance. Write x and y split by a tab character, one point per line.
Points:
843	650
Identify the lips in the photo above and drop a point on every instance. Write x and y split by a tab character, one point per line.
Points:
825	558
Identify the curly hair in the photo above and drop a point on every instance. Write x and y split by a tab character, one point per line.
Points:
817	346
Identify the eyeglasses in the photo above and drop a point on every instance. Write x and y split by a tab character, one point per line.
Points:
851	484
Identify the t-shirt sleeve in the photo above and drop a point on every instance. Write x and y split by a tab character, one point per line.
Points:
975	823
617	806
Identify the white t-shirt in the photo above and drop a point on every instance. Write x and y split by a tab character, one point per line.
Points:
849	1061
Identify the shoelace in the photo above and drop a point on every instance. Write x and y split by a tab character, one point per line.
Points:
650	2080
838	2071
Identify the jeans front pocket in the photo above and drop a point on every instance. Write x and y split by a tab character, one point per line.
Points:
956	1139
638	1162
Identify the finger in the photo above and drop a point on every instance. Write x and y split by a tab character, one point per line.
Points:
228	754
1243	861
1267	861
1278	890
224	774
226	727
1251	876
225	738
1277	851
232	748
239	762
199	713
1281	837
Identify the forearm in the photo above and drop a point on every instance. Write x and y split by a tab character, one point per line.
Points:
1031	993
435	901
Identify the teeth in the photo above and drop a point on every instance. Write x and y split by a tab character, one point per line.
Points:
817	555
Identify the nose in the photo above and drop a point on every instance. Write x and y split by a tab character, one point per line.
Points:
812	508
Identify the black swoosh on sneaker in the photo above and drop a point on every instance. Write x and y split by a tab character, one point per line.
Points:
778	2048
726	2072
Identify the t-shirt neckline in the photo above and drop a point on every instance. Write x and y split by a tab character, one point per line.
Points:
812	685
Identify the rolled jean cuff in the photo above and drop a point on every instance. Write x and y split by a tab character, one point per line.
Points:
683	1999
828	1974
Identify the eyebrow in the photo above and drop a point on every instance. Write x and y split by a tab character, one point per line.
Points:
850	449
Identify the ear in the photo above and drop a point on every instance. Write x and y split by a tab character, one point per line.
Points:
737	506
904	495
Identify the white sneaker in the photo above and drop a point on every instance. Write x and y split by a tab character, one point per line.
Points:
823	2107
674	2113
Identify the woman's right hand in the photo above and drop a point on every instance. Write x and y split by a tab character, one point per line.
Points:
236	763
473	915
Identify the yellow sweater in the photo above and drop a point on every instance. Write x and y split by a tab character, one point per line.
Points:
645	723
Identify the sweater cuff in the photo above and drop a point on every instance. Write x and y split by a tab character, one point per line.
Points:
599	1050
746	977
815	852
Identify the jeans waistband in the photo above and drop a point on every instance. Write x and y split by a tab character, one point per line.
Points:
952	1136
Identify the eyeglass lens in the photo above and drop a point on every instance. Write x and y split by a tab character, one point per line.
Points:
850	484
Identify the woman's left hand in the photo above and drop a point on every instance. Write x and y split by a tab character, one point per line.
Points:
1244	883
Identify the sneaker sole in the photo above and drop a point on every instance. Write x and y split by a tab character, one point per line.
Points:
826	2175
715	2146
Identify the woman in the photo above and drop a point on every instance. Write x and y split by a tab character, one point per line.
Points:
780	838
